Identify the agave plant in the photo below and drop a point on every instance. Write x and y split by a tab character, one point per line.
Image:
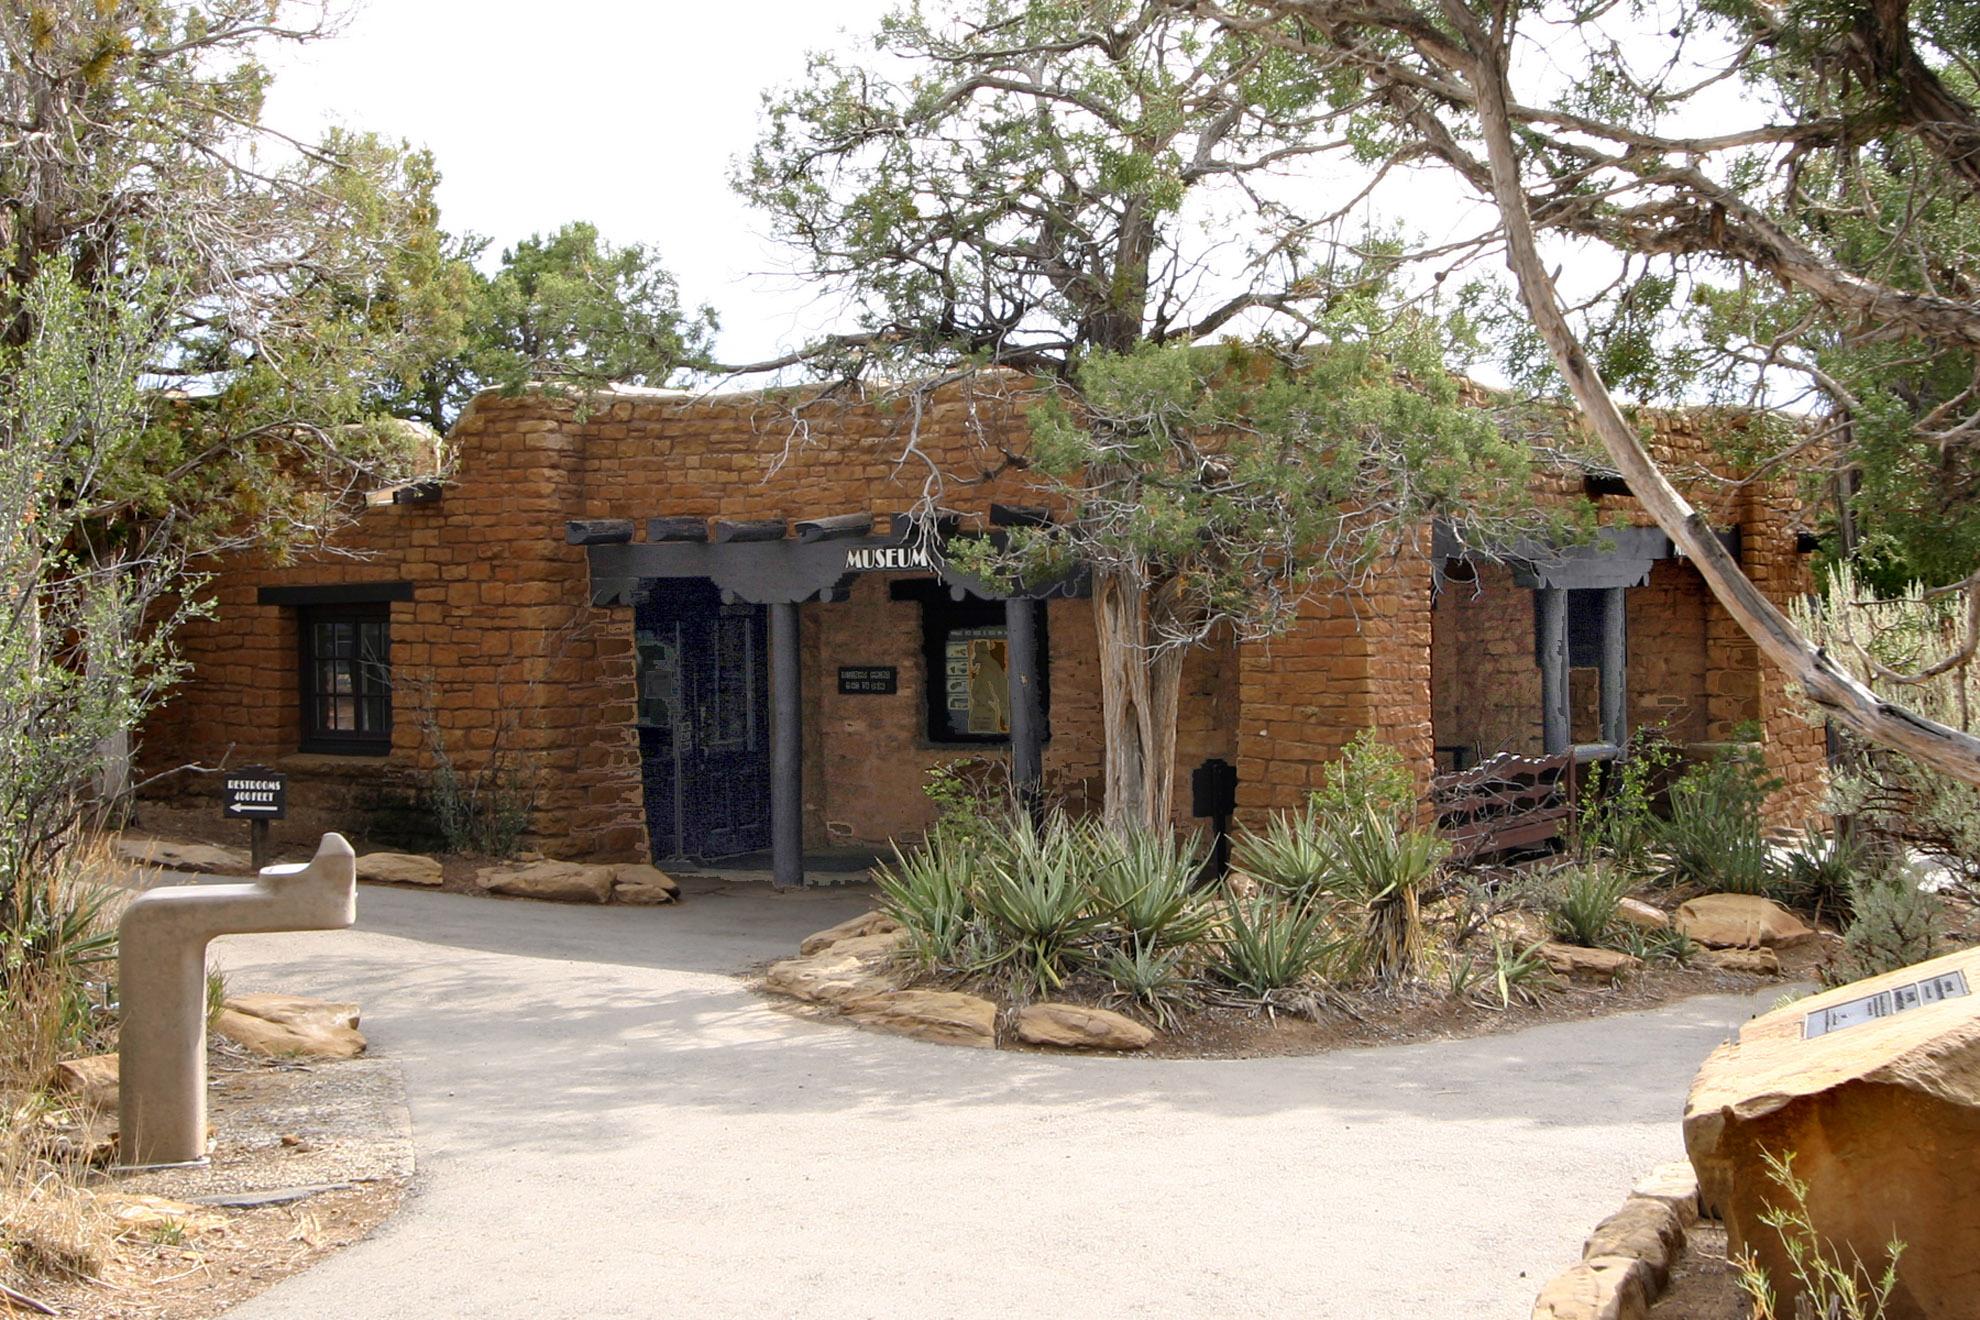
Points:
927	891
1383	867
1295	853
1033	891
1143	883
1271	942
1143	974
1581	902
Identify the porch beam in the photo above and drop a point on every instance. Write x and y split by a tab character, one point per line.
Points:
728	531
1556	730
661	531
1027	718
1615	667
786	750
598	531
834	528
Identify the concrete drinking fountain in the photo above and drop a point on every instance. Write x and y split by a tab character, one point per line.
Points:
162	983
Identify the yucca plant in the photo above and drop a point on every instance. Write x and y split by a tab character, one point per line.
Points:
1146	975
1295	853
1581	903
1035	895
1519	974
1383	867
1273	942
928	892
1713	838
1143	882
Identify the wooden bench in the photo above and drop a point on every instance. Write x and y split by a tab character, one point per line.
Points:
1504	803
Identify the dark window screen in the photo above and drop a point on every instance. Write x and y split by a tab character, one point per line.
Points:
346	678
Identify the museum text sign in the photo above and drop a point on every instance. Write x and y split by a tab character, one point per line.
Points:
1885	1003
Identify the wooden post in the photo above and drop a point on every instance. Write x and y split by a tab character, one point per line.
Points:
786	749
1615	668
1027	719
1556	729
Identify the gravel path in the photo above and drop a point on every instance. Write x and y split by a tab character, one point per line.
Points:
608	1124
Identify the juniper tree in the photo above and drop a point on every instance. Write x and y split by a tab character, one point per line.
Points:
1084	194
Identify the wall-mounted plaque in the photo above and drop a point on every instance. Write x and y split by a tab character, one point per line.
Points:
868	680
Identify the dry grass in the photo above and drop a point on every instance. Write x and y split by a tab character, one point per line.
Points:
52	1008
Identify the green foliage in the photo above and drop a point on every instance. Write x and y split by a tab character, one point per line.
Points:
1713	838
1826	1284
969	806
566	309
1581	903
484	810
1294	853
1895	925
1818	873
1617	817
1370	777
1383	868
927	892
216	993
1269	944
1144	884
1892	802
1519	975
1032	895
1156	979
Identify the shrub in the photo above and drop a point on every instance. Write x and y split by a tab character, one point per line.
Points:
1818	872
57	929
1295	853
1033	894
1581	903
1520	974
971	806
1146	975
1617	817
1896	924
1383	867
1270	942
1830	1287
927	891
1143	883
1713	839
1369	776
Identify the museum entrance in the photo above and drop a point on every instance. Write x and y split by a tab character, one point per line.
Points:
704	728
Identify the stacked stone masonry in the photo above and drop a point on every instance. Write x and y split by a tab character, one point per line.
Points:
499	651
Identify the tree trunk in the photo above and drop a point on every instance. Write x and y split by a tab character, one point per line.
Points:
1836	693
1140	683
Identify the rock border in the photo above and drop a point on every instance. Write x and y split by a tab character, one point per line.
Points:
1627	1260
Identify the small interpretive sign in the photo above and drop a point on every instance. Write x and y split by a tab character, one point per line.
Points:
869	680
1885	1003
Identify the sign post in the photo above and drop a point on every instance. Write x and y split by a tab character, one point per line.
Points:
255	794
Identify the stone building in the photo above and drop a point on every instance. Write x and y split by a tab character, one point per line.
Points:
633	601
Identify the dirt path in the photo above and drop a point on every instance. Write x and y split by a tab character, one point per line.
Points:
609	1124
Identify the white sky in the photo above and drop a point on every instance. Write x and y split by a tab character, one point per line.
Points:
625	114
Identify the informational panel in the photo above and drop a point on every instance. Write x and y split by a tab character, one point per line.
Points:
254	792
1885	1003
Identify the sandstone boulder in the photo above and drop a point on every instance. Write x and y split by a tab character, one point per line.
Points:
1642	915
297	1011
1751	962
557	882
326	1032
1676	1185
91	1081
644	886
387	868
200	858
1645	1230
944	1016
870	923
149	1216
851	969
1741	921
1077	1027
1580	964
1606	1288
1880	1108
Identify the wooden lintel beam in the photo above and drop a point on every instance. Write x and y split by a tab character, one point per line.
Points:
676	529
834	528
729	532
598	531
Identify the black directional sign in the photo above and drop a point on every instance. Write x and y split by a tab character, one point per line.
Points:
254	792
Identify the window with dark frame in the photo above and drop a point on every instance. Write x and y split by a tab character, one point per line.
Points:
346	678
966	653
